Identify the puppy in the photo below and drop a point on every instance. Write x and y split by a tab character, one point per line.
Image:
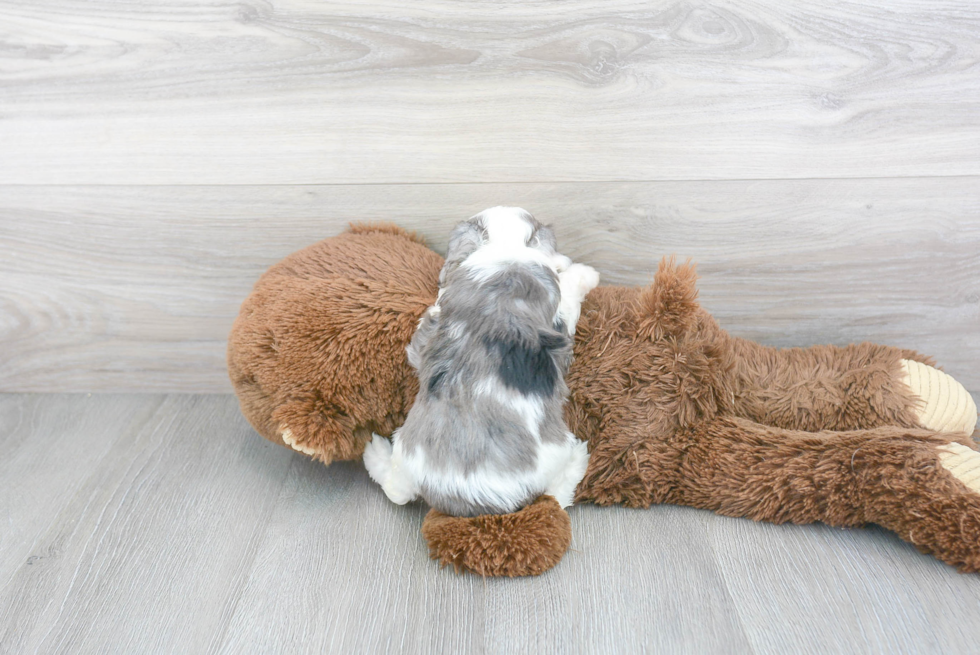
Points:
486	433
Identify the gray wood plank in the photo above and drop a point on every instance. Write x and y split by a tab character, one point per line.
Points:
192	534
842	591
135	288
50	449
312	92
634	581
667	579
343	570
150	553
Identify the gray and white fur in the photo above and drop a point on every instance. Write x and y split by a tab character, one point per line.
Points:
486	433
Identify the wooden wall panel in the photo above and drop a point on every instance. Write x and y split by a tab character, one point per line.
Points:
135	288
302	91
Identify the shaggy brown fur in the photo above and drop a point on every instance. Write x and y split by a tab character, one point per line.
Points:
675	410
528	542
319	345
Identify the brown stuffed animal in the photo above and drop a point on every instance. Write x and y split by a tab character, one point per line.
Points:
675	410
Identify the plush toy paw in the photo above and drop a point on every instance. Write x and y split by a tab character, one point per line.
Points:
290	440
946	405
963	464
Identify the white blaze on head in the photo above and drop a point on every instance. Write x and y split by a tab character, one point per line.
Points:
508	230
507	226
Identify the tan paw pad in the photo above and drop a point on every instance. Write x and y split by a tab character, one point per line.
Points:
946	405
290	440
963	463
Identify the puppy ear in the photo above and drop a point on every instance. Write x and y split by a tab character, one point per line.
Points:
553	341
465	239
428	326
546	238
558	345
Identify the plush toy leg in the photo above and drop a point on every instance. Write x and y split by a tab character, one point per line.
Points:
527	542
306	428
922	485
860	386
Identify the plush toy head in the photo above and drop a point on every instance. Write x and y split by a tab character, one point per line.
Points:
674	409
317	353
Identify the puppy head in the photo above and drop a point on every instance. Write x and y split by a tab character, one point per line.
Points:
500	235
510	227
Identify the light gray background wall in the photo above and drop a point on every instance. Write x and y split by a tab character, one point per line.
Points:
821	161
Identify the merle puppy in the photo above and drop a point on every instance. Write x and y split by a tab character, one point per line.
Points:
486	434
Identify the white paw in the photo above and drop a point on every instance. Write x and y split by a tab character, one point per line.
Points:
377	458
574	284
946	405
560	263
563	486
383	462
289	439
579	280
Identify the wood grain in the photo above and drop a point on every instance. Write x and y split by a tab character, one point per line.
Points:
149	554
50	449
654	570
845	590
135	288
172	527
302	92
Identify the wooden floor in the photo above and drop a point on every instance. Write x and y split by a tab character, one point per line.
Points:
163	523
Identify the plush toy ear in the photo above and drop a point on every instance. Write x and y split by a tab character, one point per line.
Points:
670	304
526	542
